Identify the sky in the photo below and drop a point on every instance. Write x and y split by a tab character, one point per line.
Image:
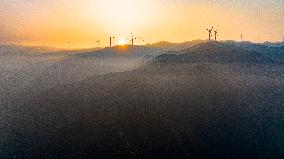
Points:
80	23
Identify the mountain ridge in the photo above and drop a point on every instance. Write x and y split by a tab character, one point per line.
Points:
215	52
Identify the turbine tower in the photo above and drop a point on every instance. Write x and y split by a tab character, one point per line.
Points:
132	39
216	33
68	44
110	40
210	31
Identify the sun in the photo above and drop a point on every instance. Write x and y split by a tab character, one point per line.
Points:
122	41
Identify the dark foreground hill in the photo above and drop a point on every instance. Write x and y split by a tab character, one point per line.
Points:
185	111
200	109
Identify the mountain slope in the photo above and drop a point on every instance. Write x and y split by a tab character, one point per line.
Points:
215	52
175	46
202	108
123	51
275	52
75	68
178	111
13	50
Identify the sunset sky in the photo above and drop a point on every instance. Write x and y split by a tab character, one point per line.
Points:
83	22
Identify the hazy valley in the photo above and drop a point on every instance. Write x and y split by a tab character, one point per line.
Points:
218	99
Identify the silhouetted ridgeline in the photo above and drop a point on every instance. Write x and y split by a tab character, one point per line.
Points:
212	100
216	52
168	46
275	51
123	51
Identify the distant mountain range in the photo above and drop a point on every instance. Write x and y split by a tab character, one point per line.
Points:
19	50
25	50
150	49
268	44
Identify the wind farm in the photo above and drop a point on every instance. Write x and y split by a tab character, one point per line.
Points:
141	79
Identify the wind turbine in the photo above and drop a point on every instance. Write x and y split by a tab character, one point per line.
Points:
98	42
69	44
135	38
110	40
132	39
210	31
216	33
140	38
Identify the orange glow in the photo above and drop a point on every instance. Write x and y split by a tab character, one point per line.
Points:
54	23
122	41
122	49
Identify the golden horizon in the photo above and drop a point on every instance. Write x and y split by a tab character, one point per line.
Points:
79	24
